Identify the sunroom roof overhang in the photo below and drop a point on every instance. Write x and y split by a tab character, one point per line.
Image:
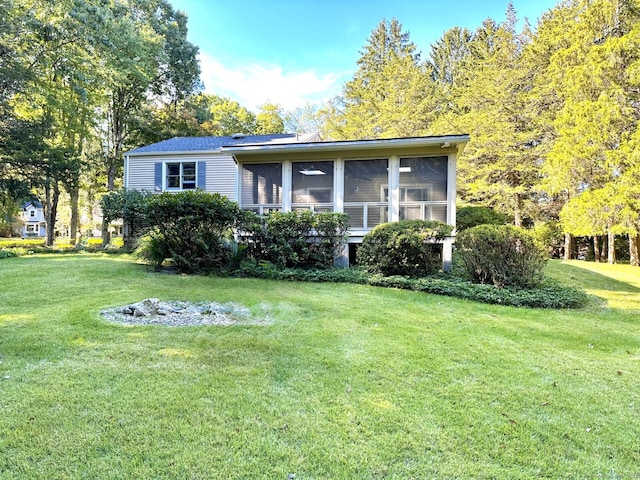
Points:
456	142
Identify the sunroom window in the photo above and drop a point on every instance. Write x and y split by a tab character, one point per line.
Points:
363	182
312	186
423	188
262	187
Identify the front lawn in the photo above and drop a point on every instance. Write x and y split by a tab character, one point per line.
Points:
346	381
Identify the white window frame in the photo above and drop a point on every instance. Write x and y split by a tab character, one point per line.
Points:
165	177
403	191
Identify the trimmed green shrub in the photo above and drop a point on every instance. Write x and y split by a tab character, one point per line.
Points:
502	255
403	248
295	239
468	217
193	229
21	242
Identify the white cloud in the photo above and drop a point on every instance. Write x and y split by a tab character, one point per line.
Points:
253	84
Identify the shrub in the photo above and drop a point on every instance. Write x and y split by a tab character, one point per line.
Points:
193	229
547	295
403	248
130	206
295	239
21	242
153	249
502	255
550	235
468	217
13	252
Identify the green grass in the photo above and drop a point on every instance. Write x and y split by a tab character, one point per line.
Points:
348	382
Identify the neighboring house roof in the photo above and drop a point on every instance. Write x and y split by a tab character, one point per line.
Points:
34	204
216	144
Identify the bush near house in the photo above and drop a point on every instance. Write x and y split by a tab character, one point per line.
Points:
300	239
407	248
193	228
472	216
130	206
195	231
502	255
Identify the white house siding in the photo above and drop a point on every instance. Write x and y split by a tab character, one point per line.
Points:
220	176
140	173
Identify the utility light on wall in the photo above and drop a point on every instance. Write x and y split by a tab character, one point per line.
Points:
312	171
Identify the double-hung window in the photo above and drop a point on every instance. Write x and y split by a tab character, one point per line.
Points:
181	175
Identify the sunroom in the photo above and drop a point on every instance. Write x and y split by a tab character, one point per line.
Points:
373	181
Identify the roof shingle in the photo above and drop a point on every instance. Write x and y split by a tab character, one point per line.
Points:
212	144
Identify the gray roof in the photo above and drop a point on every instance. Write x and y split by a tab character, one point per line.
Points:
213	144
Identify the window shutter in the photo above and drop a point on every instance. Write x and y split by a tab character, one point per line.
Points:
158	177
202	175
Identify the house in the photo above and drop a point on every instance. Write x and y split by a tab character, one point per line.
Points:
374	181
32	219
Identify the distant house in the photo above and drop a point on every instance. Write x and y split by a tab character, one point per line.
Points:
32	219
374	181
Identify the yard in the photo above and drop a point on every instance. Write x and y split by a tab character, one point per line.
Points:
344	381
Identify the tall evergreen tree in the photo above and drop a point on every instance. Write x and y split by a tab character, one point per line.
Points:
596	76
500	165
391	93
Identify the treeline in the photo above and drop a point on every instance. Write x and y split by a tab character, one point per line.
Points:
82	82
552	112
552	109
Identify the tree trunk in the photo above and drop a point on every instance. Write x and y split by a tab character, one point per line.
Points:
596	248
612	247
73	234
112	169
568	246
52	193
634	250
106	235
517	211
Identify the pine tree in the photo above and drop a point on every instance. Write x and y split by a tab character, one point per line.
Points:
500	164
391	94
597	110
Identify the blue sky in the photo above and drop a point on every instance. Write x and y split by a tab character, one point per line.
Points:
293	52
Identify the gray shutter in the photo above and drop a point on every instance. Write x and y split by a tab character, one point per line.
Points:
202	175
157	177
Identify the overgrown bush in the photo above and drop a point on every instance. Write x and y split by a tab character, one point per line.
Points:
468	217
407	247
502	255
153	249
193	229
130	206
295	239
